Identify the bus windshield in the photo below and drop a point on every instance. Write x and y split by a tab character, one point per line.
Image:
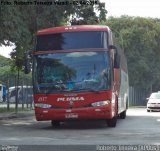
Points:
71	40
71	72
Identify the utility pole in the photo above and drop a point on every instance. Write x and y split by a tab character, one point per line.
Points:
17	84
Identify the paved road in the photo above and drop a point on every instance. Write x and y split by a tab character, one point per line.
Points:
140	127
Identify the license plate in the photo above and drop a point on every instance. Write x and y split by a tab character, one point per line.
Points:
156	105
71	115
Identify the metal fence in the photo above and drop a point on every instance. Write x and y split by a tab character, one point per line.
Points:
19	93
137	96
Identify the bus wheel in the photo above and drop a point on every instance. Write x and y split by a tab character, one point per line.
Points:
123	115
112	122
55	123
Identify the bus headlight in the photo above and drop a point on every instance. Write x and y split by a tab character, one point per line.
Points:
101	103
41	105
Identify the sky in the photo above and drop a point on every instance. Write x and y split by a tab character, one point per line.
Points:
5	51
142	8
116	8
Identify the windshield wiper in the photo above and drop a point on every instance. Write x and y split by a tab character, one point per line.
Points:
83	89
50	91
93	90
59	87
54	86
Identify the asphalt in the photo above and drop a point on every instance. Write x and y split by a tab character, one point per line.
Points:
12	115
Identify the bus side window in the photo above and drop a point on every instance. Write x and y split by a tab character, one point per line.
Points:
105	42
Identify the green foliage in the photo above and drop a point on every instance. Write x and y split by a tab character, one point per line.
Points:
8	75
18	23
4	61
141	42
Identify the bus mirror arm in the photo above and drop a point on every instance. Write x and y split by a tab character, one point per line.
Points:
116	56
27	63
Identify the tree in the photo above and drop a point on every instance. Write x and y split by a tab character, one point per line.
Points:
18	23
7	76
141	45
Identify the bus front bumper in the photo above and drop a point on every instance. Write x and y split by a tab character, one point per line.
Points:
73	114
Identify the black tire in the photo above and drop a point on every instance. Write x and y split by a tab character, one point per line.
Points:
55	123
112	122
123	115
148	110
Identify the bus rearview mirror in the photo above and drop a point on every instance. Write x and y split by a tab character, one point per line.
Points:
116	56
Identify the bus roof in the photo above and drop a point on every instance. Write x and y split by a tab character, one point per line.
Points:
73	28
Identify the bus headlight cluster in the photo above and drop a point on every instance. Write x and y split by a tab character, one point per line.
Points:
101	103
41	105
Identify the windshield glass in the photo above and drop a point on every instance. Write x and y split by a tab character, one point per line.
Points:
155	96
76	71
71	40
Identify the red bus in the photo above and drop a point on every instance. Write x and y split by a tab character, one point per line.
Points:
79	73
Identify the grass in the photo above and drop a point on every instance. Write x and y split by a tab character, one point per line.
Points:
137	106
11	110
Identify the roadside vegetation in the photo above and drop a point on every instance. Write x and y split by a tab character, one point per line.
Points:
139	37
12	110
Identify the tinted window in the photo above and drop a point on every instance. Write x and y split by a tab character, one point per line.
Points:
71	40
